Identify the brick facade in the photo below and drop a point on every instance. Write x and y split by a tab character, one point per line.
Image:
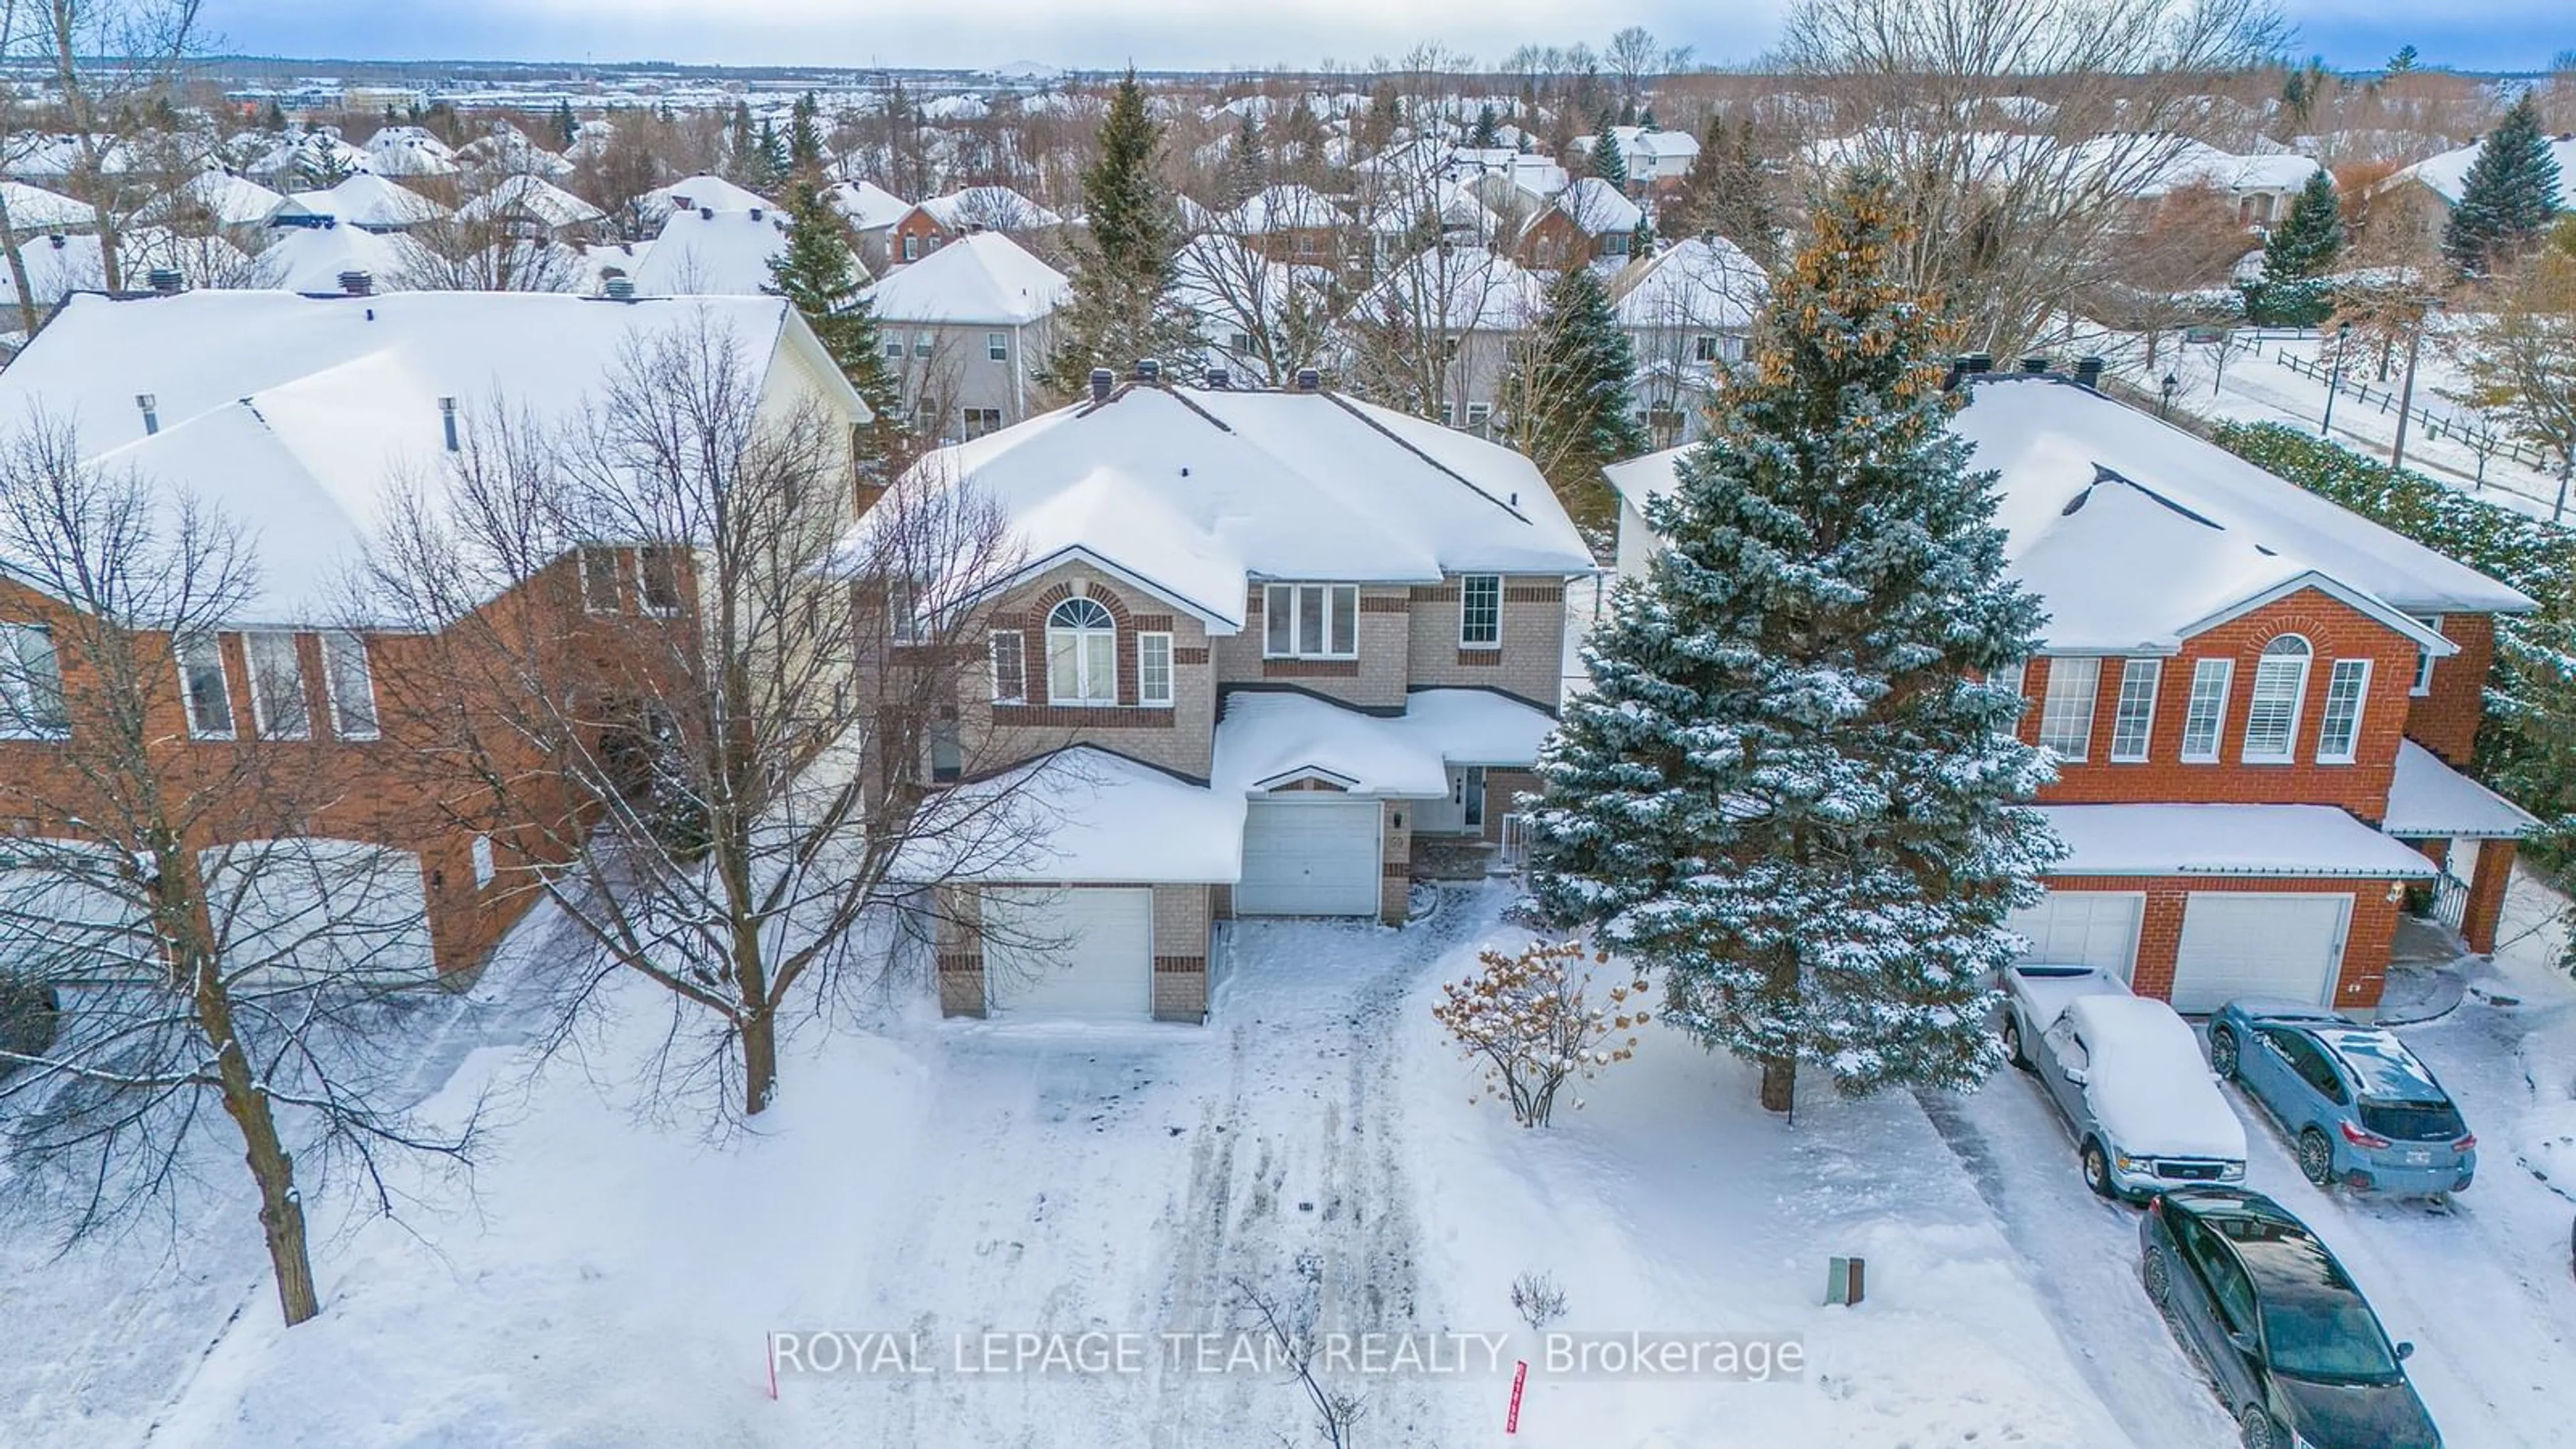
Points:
1395	862
2445	718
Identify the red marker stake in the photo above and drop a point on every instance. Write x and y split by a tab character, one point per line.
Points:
1520	1377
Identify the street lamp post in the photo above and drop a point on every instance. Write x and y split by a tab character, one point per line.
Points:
2334	379
2406	401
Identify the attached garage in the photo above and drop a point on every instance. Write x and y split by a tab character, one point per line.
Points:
1309	857
2084	928
322	906
1069	952
2285	946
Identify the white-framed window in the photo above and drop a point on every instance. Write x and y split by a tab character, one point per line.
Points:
599	579
2272	715
277	707
997	346
2204	719
1480	611
1239	343
1154	669
1448	415
979	421
947	750
2339	724
1082	654
2008	676
209	693
657	578
2423	684
1479	414
484	866
923	343
903	611
911	247
2133	720
351	685
2066	715
31	685
1010	668
1704	348
1311	621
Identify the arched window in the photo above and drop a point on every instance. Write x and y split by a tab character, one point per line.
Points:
1082	654
2280	683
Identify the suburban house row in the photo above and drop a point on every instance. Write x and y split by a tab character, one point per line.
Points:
2259	704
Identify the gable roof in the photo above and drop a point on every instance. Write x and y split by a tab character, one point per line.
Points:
994	208
1702	282
33	208
980	277
708	193
366	200
1285	207
2447	175
1198	494
727	254
532	197
868	206
311	258
1596	207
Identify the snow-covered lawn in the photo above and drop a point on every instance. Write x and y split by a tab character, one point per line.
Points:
614	1279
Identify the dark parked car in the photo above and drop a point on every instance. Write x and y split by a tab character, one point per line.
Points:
2292	1345
2359	1107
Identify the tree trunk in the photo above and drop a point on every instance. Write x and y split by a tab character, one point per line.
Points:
759	1059
1780	1084
281	1208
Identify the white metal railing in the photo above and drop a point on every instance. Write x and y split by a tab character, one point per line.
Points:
1513	857
2450	900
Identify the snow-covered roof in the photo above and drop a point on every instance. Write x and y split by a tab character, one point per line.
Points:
1285	207
315	153
1647	143
868	206
1194	495
311	258
703	193
34	209
2264	840
231	200
1459	289
301	419
981	277
534	198
1270	738
1702	282
1598	208
2428	798
410	151
366	200
1084	816
2447	175
994	208
2147	1084
2052	442
726	254
59	265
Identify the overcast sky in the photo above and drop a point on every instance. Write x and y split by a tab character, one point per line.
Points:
1092	34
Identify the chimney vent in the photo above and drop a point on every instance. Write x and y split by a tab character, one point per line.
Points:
2088	372
1102	379
447	420
165	280
357	283
1218	379
1977	362
150	407
1148	370
1309	380
621	289
706	213
57	239
2034	365
755	213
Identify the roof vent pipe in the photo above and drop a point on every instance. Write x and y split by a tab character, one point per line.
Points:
706	213
2034	365
357	283
1309	380
1102	379
620	289
447	420
150	407
1149	370
165	280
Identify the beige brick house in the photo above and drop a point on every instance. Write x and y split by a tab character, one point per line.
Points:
1265	649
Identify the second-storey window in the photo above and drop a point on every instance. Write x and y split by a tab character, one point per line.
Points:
599	580
2272	715
1082	654
2205	718
1010	668
657	577
997	346
2339	729
1480	610
2135	717
352	686
1311	621
1154	669
2066	715
31	684
208	693
277	707
2424	657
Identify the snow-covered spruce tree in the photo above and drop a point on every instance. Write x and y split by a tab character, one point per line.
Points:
1608	161
2509	196
1122	308
2296	258
820	276
1571	399
1784	789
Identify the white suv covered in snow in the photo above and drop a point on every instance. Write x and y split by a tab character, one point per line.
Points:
2127	1075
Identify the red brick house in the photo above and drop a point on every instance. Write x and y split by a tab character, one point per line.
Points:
2258	702
936	221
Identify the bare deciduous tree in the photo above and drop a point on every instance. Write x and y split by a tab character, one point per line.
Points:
209	956
2521	359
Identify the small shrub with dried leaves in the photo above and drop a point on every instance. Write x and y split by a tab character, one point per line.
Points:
1527	1019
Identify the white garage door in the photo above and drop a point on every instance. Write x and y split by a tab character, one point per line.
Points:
1069	953
2285	946
321	906
1309	858
2084	928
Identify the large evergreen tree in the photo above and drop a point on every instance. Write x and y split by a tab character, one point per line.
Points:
2510	194
1786	789
1122	308
1608	162
1488	131
1247	168
805	136
1570	401
819	275
2297	257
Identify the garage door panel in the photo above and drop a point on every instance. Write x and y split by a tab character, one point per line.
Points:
2084	928
1309	858
1069	952
2250	944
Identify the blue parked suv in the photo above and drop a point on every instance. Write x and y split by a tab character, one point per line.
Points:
2359	1107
